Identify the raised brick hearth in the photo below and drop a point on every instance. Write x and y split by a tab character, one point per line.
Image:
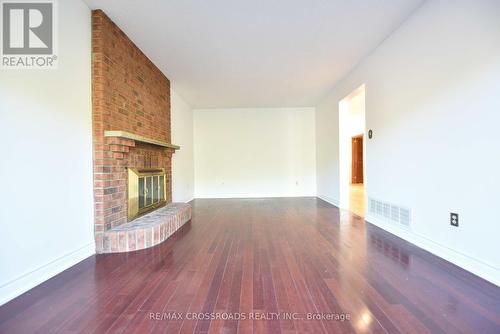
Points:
148	230
129	94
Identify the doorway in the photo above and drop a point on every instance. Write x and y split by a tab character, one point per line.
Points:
352	152
357	159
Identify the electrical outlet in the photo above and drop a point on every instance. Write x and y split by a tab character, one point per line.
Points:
454	219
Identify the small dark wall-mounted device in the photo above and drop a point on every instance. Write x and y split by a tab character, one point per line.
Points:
454	219
370	134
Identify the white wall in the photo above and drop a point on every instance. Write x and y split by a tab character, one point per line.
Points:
183	160
254	152
432	101
356	111
46	214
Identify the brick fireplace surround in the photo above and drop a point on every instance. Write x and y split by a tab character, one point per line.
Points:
130	94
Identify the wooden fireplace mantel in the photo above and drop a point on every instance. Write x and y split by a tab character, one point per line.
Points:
128	135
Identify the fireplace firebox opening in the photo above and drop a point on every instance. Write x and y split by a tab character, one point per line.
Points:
146	191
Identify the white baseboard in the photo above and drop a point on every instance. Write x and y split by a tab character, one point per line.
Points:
254	195
473	265
27	281
330	200
184	200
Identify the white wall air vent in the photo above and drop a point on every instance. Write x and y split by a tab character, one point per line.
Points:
387	210
404	216
391	213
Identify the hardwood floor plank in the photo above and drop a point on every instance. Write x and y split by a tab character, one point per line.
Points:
213	292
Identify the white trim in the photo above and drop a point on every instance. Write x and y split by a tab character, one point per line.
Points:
29	280
471	264
255	195
330	200
183	200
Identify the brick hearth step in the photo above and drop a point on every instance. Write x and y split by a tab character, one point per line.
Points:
148	230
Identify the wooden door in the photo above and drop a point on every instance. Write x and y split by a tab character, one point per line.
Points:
357	159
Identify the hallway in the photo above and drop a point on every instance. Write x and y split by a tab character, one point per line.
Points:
357	199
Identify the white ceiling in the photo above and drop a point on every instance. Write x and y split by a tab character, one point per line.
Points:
256	53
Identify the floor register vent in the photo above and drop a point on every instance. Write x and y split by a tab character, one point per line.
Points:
390	212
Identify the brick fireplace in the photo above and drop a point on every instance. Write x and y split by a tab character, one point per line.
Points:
131	123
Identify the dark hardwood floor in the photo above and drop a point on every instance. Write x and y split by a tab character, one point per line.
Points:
277	261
